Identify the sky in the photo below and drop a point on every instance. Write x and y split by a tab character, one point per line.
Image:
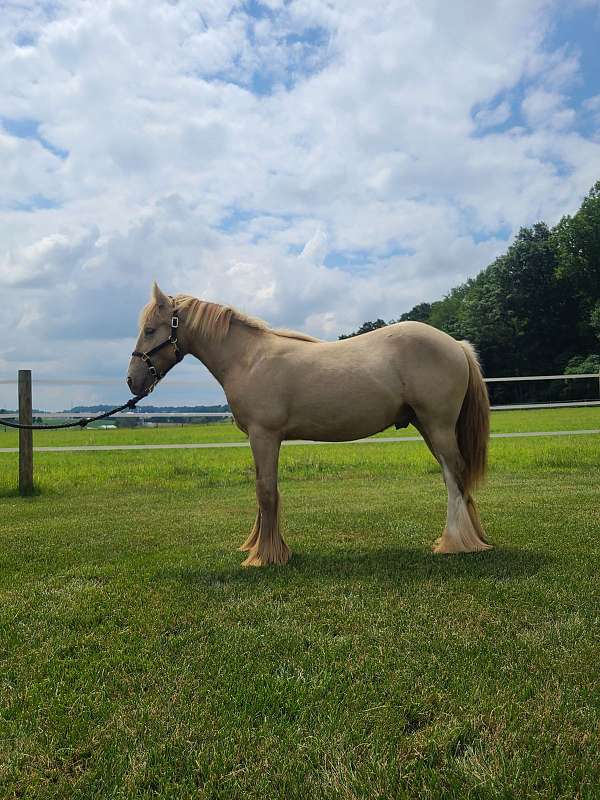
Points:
315	163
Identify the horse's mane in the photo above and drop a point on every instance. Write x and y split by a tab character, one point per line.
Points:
212	320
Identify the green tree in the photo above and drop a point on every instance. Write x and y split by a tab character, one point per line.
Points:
595	320
445	314
516	311
582	365
419	313
535	309
577	241
366	327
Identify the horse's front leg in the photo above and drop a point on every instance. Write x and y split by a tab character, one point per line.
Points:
265	543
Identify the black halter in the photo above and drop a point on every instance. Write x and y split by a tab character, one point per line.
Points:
157	374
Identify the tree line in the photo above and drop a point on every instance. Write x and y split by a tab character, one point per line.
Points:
534	310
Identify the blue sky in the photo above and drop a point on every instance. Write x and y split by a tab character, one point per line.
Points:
314	163
578	29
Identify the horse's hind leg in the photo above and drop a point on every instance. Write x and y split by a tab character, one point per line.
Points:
463	532
265	543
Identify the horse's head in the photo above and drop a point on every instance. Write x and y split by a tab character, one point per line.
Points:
157	349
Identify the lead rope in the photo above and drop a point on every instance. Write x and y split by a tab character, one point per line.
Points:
131	404
81	423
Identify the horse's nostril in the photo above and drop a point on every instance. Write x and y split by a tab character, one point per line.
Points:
129	382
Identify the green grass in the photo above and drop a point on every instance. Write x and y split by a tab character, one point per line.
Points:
502	422
139	660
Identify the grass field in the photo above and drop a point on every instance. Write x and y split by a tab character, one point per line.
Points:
139	660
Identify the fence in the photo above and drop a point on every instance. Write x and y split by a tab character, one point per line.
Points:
25	414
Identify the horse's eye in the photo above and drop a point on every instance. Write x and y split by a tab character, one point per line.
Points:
148	331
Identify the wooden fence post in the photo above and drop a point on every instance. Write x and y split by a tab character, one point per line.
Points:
25	436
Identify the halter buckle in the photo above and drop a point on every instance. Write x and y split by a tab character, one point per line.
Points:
174	322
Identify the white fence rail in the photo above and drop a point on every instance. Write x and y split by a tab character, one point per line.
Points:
140	414
228	414
544	377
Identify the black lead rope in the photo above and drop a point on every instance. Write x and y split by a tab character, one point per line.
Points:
154	372
81	423
131	404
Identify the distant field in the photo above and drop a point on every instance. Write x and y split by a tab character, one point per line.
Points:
139	660
502	422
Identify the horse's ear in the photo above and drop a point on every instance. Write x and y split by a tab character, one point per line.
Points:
159	297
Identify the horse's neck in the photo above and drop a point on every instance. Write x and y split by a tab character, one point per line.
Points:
240	345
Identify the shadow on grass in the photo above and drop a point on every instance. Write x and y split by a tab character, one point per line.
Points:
408	565
13	491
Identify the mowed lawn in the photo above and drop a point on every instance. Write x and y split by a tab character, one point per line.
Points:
139	660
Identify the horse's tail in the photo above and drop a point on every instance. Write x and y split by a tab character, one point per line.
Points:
473	426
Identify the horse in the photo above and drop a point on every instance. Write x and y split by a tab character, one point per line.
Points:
282	385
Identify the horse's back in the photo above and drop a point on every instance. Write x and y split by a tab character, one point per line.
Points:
413	351
355	387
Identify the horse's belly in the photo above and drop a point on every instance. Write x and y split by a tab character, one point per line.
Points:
331	416
335	432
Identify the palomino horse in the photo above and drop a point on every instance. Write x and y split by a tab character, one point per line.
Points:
286	385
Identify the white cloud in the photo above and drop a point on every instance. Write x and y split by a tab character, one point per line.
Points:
592	106
543	108
490	117
208	149
47	261
316	248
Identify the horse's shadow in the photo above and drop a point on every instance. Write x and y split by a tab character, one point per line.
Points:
383	565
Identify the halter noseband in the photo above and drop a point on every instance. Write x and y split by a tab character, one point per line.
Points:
157	374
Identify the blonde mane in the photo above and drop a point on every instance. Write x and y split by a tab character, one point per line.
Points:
212	320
